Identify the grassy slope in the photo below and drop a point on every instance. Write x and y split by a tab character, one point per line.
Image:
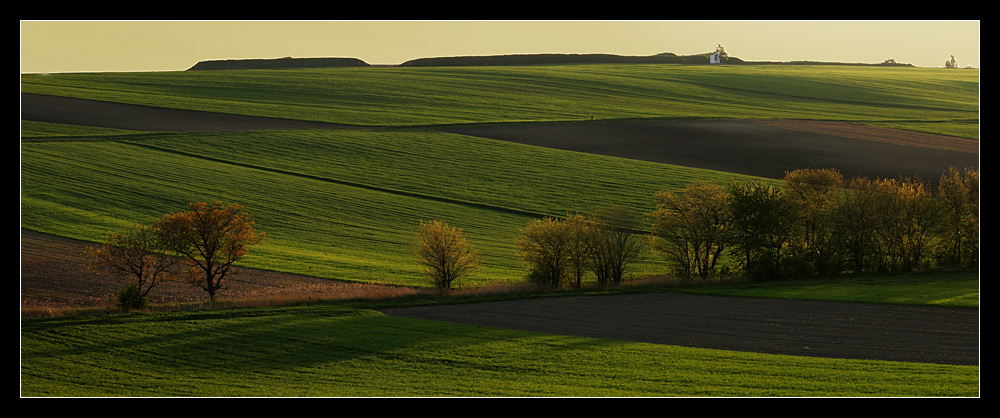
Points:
952	290
335	204
936	99
333	351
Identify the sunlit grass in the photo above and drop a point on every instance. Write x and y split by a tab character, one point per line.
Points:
335	204
953	290
447	95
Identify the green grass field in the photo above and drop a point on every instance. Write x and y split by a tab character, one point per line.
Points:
937	100
334	350
950	290
345	205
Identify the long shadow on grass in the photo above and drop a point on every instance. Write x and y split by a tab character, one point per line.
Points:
257	341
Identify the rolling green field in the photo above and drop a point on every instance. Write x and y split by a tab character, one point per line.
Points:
314	193
345	205
327	350
334	204
937	100
950	290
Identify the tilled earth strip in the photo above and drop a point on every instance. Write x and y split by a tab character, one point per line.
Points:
794	327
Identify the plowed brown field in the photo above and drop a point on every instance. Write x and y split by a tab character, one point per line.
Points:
53	275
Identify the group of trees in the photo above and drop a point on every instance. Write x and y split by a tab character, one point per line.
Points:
198	245
556	251
559	251
817	223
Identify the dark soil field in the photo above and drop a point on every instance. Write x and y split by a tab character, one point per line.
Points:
793	327
758	148
54	109
52	273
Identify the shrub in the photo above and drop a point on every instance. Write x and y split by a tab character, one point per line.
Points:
131	298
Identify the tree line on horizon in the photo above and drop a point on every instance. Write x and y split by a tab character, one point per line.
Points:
501	60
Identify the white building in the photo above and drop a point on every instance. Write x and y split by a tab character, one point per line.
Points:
718	55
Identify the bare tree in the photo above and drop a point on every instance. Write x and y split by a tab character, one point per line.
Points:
136	255
614	243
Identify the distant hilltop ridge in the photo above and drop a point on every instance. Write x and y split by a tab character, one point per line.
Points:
275	63
500	60
534	59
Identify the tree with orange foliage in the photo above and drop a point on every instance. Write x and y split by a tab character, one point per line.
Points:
444	253
212	236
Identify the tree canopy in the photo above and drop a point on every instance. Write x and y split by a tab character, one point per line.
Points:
212	236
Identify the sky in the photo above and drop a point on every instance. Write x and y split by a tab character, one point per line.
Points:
59	46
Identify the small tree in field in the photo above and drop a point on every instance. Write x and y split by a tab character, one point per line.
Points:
137	256
908	220
444	254
213	236
544	247
613	243
579	229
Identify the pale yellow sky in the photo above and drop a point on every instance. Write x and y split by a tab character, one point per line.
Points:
102	46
